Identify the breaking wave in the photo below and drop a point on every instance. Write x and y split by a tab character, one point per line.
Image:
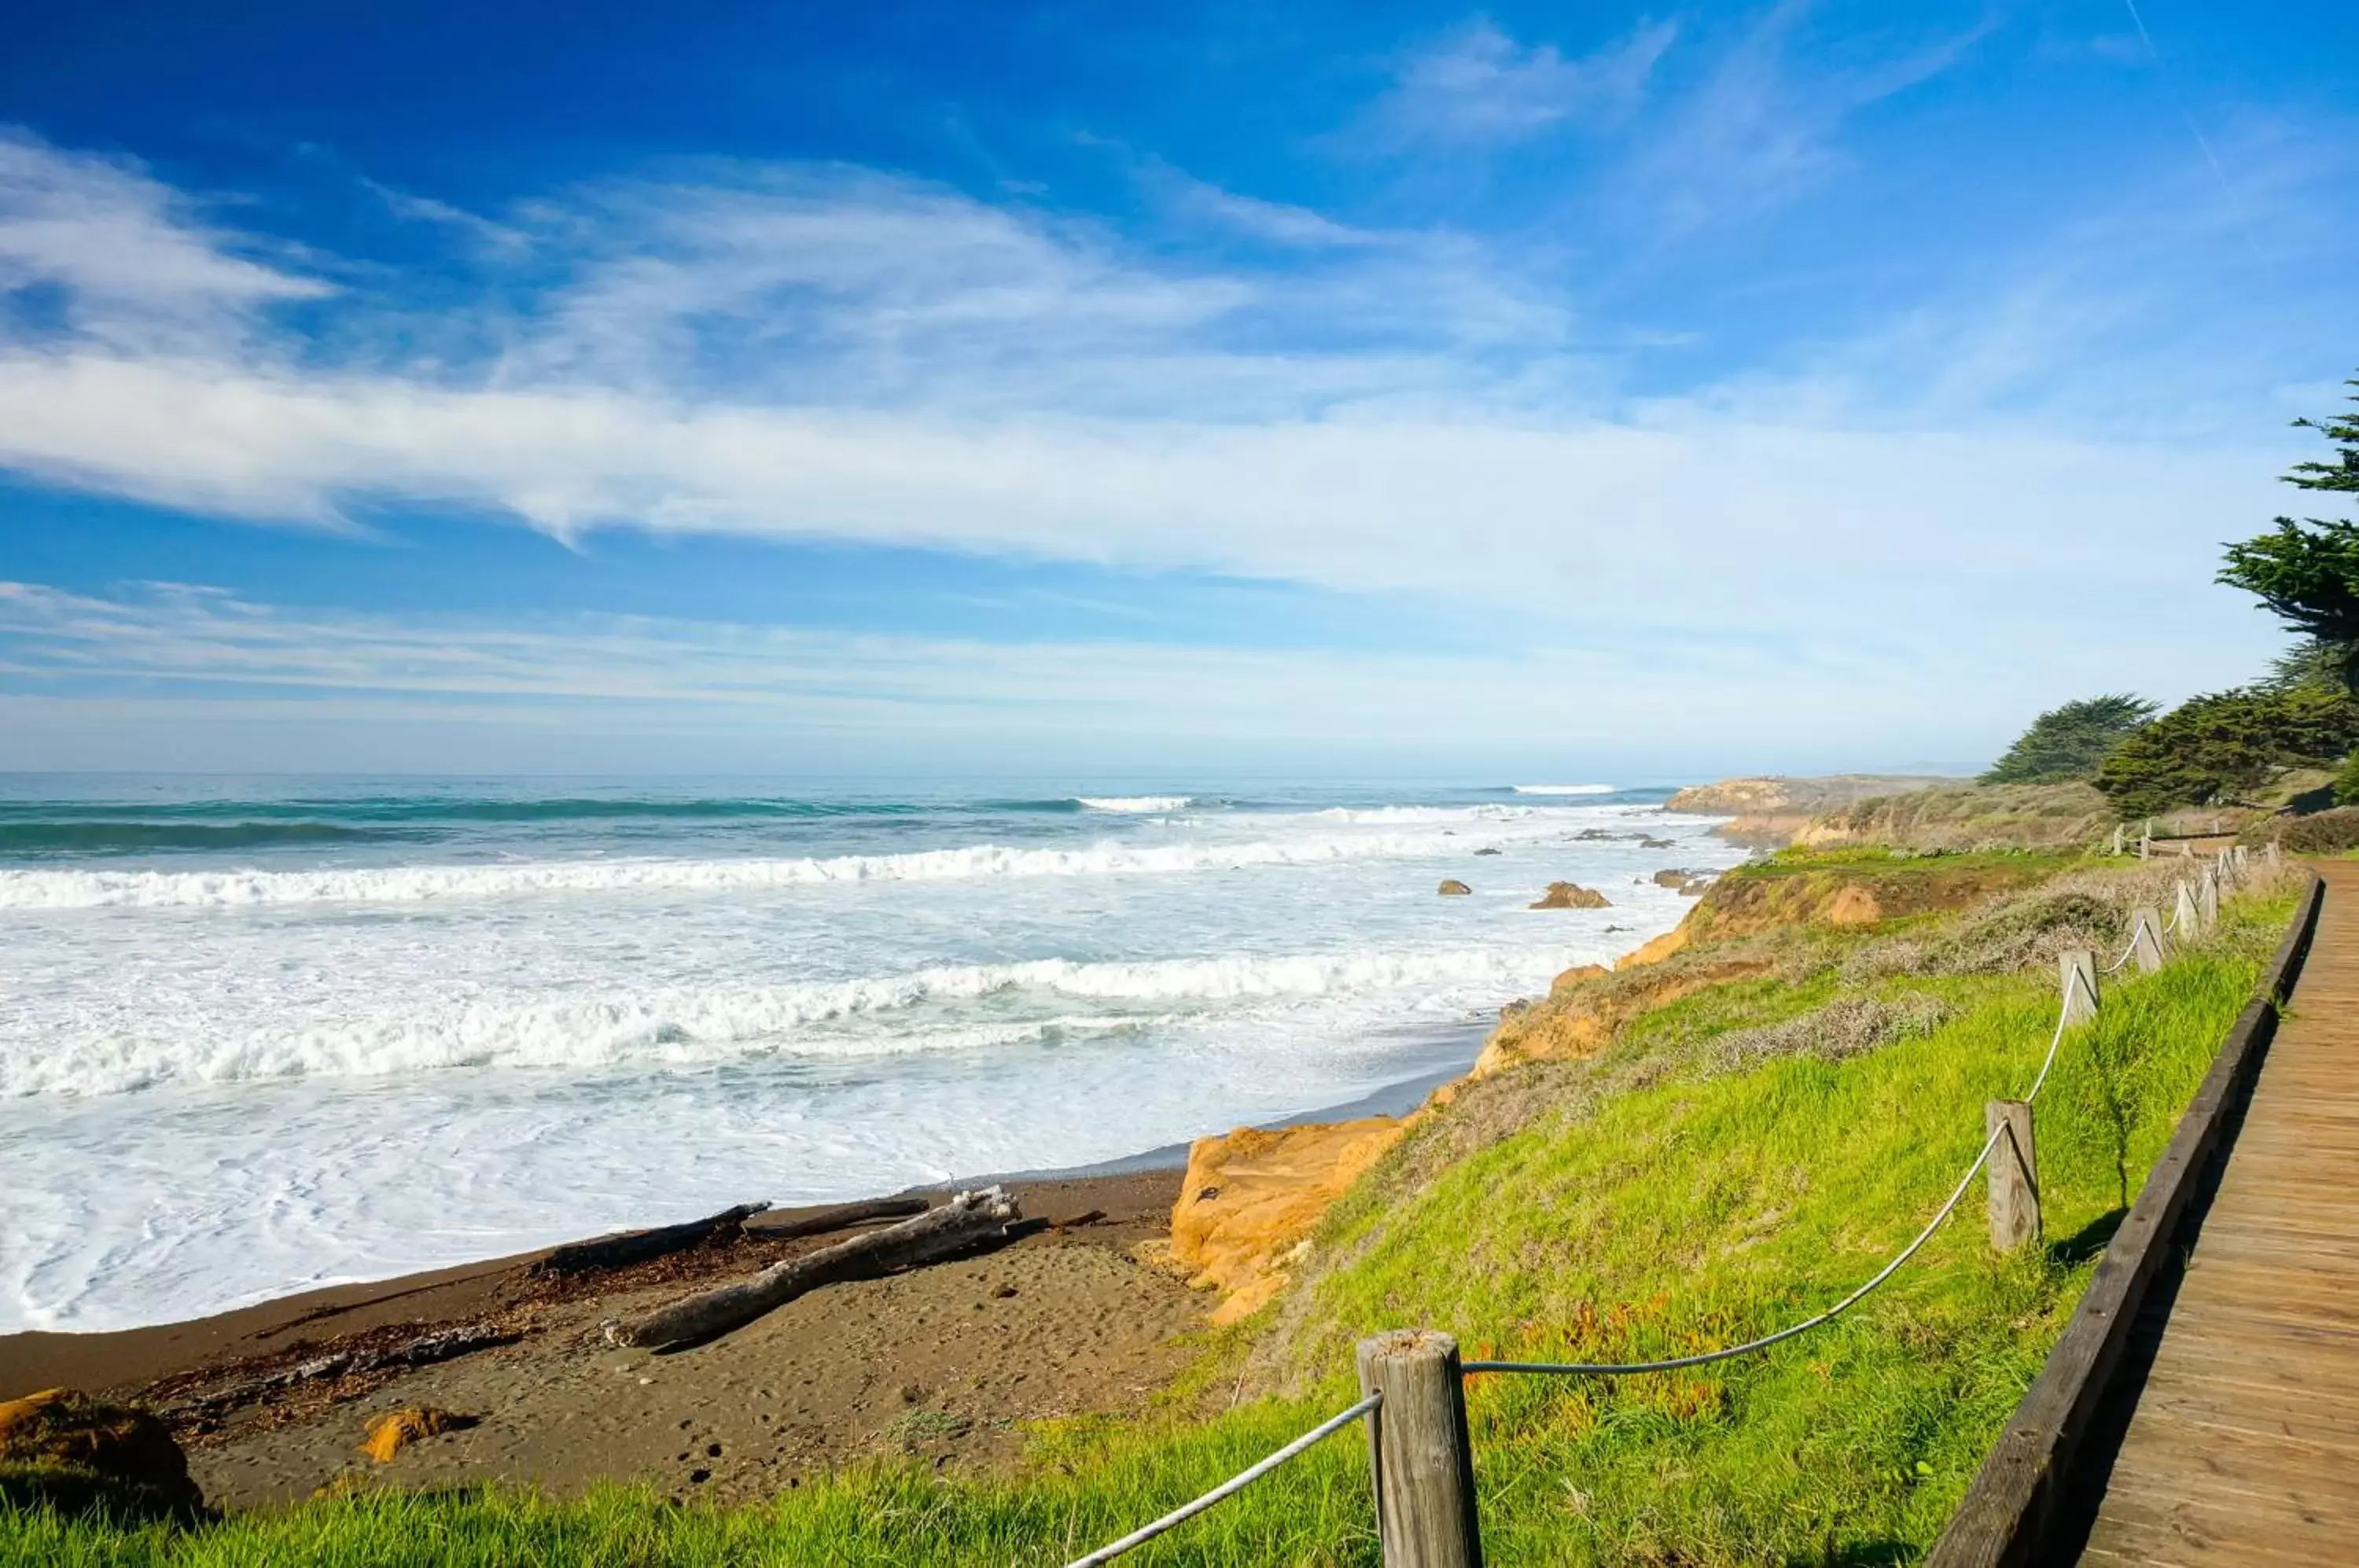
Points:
675	1025
62	889
1134	805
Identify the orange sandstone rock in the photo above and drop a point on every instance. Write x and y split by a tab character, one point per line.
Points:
1253	1197
1576	974
1854	906
1673	941
389	1434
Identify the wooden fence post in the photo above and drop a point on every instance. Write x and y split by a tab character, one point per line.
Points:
2014	1175
2118	829
2078	971
1419	1451
2207	899
2271	853
2183	913
2146	840
2146	938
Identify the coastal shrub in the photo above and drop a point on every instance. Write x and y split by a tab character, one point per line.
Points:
2068	742
2219	748
1842	1028
2323	833
2346	781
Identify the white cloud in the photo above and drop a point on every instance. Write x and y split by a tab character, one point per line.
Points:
749	695
137	269
835	353
1478	87
1758	130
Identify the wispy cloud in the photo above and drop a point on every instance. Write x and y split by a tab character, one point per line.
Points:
1477	87
837	354
133	264
209	653
1760	127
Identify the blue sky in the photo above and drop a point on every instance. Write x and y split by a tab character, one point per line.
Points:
1175	391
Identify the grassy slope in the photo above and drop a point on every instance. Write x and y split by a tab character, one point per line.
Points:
1713	1202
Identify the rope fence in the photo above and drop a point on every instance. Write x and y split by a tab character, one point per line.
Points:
1424	1481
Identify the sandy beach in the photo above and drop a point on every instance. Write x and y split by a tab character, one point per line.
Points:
941	1362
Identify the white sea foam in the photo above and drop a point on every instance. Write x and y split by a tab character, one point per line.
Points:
1137	804
58	889
355	1064
1562	789
1457	814
675	1025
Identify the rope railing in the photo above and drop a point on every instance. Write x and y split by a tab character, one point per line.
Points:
2075	977
1230	1487
2078	1001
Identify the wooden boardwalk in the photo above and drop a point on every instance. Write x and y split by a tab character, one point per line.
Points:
2243	1445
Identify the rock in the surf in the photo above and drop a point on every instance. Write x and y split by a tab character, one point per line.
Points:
80	1455
1454	888
1571	896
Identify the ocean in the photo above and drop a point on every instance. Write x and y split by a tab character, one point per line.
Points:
259	1035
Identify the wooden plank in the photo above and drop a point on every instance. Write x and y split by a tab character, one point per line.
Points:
2245	1445
2007	1510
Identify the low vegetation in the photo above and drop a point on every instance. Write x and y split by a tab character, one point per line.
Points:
1736	1156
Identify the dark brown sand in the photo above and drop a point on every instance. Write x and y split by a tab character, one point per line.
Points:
941	1363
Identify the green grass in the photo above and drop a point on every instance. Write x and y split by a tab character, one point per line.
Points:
1706	1207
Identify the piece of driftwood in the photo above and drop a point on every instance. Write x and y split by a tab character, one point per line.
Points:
638	1245
425	1350
843	1217
969	1220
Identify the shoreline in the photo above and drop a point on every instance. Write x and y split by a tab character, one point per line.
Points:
34	1359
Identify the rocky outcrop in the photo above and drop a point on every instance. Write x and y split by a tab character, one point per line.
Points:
1655	952
391	1432
80	1455
1251	1199
1454	888
1769	793
1571	896
1672	876
1576	974
1772	810
1580	1018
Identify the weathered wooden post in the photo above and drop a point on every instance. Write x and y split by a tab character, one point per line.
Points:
2146	938
2207	898
2183	913
2119	828
1420	1452
2146	840
2078	970
2014	1175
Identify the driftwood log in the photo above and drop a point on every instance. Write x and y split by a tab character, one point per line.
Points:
969	1220
843	1217
638	1245
425	1350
